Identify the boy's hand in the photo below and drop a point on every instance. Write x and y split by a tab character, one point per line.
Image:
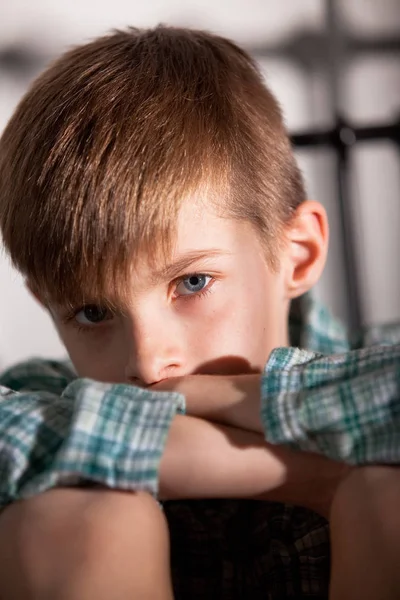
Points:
229	399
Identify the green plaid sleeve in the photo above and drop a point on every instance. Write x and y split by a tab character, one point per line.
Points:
90	432
345	406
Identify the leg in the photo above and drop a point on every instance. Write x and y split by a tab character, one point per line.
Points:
76	544
365	533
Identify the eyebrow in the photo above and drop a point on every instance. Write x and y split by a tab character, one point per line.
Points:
185	261
166	272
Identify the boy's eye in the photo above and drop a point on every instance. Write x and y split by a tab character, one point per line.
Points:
92	314
193	284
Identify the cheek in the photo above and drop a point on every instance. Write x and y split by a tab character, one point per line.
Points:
230	324
96	356
244	321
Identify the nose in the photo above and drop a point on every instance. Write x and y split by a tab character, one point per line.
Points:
156	352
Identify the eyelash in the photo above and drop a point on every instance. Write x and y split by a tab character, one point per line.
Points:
70	318
197	295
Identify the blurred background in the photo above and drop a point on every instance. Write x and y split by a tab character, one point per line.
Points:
335	68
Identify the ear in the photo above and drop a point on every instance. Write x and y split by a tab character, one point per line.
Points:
307	235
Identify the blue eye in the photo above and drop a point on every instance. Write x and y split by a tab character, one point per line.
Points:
193	284
92	314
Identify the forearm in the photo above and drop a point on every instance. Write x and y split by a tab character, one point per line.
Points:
203	460
232	400
110	435
345	407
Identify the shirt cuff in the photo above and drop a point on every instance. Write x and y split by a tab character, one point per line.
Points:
115	437
281	401
343	406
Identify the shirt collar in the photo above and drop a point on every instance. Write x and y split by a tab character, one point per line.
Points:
313	327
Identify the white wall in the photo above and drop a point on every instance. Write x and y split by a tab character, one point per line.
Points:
371	87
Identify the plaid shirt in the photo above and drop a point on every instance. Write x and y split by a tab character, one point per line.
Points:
332	396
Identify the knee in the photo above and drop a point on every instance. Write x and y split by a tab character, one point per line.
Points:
365	535
373	492
74	543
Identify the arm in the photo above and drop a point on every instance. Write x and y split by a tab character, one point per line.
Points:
113	435
206	460
117	435
346	407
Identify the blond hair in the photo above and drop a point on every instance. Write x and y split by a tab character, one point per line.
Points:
110	139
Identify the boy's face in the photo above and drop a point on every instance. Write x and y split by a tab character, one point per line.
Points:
218	309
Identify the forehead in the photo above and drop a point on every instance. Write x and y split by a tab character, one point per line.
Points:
201	238
198	234
201	225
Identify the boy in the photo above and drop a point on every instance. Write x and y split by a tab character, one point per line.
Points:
150	197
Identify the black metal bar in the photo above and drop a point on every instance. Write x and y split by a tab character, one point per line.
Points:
343	143
367	133
310	48
341	140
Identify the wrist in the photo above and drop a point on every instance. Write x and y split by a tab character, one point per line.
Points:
231	400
